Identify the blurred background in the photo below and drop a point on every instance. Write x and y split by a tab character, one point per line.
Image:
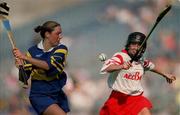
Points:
91	27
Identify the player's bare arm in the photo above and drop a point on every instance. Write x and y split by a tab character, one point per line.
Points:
39	63
169	77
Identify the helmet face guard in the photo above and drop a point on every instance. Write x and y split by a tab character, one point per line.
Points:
136	37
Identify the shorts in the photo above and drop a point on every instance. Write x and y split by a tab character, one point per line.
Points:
41	101
122	104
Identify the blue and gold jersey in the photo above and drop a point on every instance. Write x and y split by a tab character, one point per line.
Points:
56	59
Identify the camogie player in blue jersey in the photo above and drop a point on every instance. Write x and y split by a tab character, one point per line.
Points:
45	63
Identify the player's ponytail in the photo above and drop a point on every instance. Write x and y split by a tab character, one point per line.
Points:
38	29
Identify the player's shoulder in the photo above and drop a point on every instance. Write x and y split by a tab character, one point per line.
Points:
32	48
145	61
123	54
61	46
147	64
119	53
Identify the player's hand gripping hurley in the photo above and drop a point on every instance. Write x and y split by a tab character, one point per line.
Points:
3	16
159	18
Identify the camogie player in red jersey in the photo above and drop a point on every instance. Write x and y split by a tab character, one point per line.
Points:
125	80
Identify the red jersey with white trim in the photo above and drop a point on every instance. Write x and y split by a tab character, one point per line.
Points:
127	81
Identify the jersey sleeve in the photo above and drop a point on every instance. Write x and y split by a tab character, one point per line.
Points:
116	59
148	65
27	66
58	60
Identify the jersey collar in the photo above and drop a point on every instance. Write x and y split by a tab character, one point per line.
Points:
40	46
